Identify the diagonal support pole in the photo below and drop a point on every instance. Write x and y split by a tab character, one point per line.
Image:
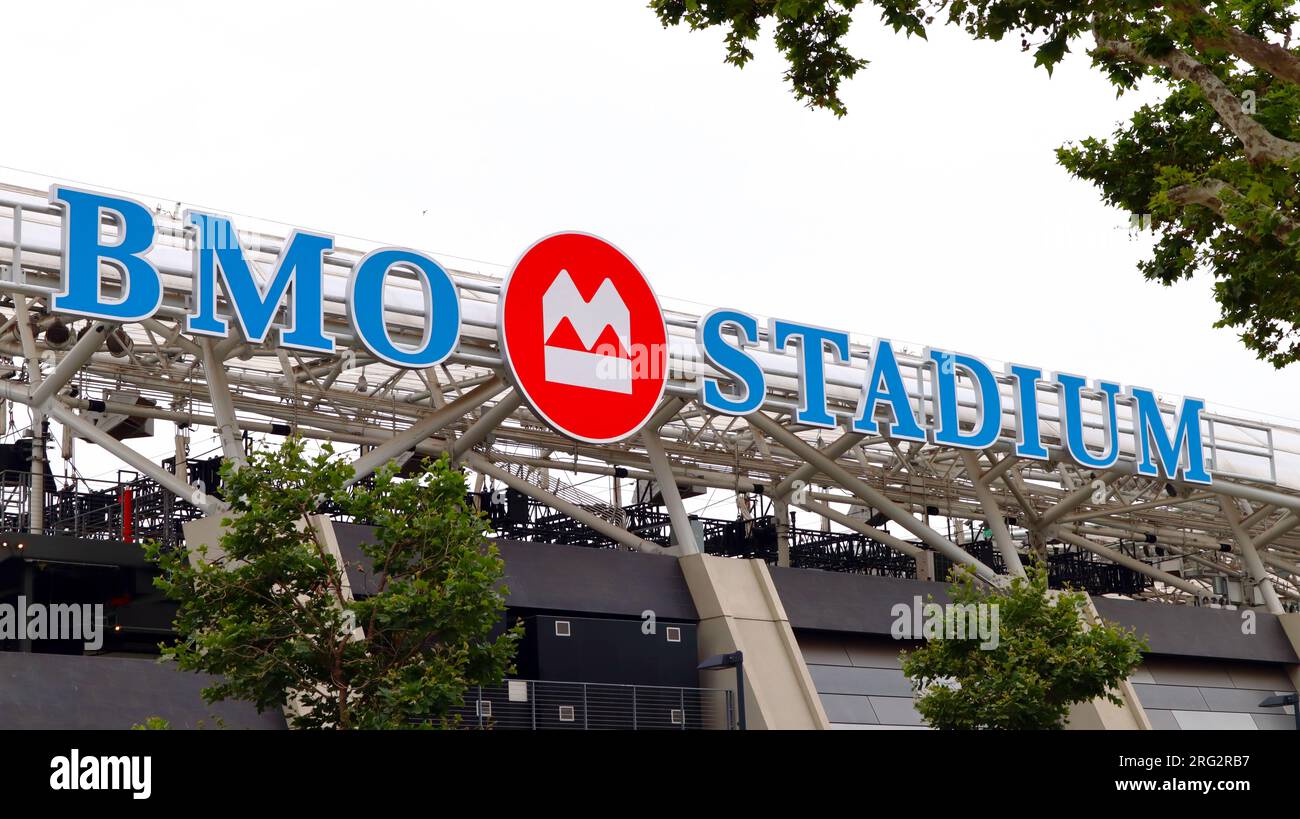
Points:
834	450
67	416
481	464
861	528
1072	501
1251	556
71	363
1130	562
1288	522
992	513
223	410
422	429
489	421
667	481
810	453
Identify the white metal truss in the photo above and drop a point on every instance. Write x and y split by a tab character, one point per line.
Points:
1192	538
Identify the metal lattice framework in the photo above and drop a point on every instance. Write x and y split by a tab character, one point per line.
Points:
1193	543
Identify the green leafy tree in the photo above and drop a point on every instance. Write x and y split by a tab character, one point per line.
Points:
152	724
1212	166
1045	660
271	615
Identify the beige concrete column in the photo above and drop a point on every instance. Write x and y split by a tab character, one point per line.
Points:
1291	625
1101	714
739	609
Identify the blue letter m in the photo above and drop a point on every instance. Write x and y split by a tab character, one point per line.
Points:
300	264
1149	428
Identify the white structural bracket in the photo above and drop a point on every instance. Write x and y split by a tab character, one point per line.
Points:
893	511
992	513
1248	552
422	429
481	464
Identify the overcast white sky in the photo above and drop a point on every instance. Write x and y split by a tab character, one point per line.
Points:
933	213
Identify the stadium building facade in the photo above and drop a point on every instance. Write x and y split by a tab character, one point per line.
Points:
593	420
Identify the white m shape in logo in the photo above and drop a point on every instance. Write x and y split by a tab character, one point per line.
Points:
608	368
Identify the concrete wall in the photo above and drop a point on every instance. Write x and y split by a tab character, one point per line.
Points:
72	691
860	681
1186	693
739	609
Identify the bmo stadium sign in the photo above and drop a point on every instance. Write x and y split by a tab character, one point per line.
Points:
584	340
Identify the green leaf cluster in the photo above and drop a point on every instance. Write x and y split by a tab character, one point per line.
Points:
269	611
1045	660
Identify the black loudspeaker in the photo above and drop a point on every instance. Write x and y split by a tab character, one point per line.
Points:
516	507
17	457
597	650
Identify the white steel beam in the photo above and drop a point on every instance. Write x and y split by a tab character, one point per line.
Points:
999	468
834	450
1256	495
489	421
35	509
874	498
1073	500
781	517
861	528
1159	503
1130	562
214	370
667	481
993	514
481	464
1248	553
781	492
1011	480
72	362
420	430
1272	533
65	415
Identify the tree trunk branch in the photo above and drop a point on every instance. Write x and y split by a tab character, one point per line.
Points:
1259	144
1263	55
1210	193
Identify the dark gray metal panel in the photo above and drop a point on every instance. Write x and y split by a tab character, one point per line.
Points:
60	549
1274	721
596	581
1162	720
833	679
856	603
359	566
562	578
861	651
896	711
1200	631
71	691
862	604
1240	700
823	650
1171	697
878	653
1188	671
1214	721
1261	677
849	709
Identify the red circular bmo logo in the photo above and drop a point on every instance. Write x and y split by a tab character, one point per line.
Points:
583	337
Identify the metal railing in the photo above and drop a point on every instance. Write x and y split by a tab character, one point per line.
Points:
131	508
537	705
561	489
